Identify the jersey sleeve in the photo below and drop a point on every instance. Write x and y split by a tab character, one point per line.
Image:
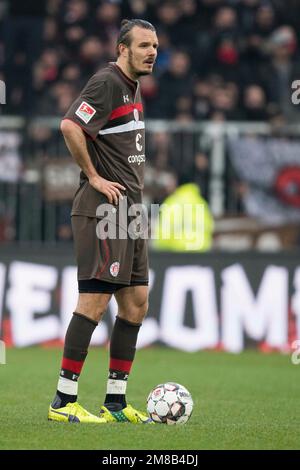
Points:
91	110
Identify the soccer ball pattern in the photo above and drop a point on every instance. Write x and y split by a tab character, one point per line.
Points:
170	403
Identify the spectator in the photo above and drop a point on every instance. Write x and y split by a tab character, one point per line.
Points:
188	25
282	70
232	40
202	91
242	42
180	227
218	60
224	103
164	52
247	11
91	55
23	32
75	24
255	104
107	20
224	48
137	9
174	82
150	90
168	15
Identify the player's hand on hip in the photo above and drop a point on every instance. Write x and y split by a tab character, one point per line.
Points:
110	189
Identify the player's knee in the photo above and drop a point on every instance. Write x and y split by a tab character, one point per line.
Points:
140	310
144	308
134	312
95	314
91	306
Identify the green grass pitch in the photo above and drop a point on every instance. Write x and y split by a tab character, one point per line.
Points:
246	401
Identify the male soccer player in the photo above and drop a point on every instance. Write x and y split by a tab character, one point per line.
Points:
104	131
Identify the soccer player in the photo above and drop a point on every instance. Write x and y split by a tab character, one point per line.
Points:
105	133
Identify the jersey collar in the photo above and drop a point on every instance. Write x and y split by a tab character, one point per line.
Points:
124	77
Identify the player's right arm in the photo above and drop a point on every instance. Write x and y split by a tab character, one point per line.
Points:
76	142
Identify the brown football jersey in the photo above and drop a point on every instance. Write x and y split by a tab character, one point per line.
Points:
110	112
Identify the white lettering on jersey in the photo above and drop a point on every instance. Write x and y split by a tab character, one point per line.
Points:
137	159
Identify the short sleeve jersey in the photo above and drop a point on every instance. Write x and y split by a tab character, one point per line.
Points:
110	112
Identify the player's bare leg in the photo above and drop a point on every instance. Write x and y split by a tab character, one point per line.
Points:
132	303
93	306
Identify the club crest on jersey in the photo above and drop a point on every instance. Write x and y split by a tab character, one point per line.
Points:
85	112
114	268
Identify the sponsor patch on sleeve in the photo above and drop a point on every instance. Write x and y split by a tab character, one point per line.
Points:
85	112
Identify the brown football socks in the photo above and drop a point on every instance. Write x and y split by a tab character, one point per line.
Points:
122	352
77	340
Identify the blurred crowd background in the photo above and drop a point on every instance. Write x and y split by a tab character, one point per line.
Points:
219	62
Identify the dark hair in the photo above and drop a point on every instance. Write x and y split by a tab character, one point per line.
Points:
126	26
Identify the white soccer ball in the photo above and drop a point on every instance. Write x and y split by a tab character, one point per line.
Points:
170	403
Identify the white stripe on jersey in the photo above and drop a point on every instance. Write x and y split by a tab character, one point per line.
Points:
129	126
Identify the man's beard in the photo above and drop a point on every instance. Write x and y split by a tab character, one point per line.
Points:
133	70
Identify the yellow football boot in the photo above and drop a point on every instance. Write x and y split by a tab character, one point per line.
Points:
126	415
74	413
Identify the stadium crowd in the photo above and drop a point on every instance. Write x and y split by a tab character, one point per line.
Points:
218	59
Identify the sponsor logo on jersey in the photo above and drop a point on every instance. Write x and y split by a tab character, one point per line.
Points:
114	268
85	112
125	98
138	145
137	159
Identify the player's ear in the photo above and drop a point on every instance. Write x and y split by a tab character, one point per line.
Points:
123	50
